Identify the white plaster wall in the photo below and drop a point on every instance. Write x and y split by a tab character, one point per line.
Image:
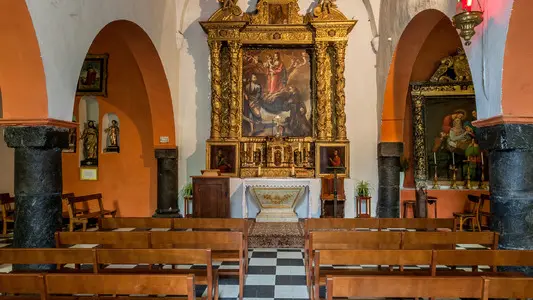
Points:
66	28
361	96
485	54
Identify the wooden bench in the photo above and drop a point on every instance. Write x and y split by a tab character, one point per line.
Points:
77	217
476	258
59	257
228	245
110	239
7	204
143	223
113	284
26	284
404	287
366	257
448	240
419	224
209	276
507	288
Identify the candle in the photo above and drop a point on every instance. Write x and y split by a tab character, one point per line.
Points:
300	147
481	158
254	147
453	158
309	147
293	171
435	157
244	147
259	171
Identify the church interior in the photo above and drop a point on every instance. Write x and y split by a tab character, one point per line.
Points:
266	149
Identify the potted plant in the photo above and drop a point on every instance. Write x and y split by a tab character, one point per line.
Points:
363	190
404	166
186	193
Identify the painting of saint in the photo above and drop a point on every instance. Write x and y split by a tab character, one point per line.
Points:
451	138
277	93
223	158
278	14
333	156
93	76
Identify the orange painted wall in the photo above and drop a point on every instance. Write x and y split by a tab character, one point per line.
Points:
127	180
449	201
517	84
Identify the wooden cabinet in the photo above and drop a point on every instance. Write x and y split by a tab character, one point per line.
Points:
211	197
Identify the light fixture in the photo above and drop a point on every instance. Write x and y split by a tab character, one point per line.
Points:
467	20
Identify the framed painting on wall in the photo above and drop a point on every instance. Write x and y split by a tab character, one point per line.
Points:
277	92
223	156
331	157
93	76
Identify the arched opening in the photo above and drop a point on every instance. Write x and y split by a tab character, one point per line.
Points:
516	86
138	96
428	38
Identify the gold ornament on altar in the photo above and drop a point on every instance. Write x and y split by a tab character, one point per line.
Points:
113	132
259	93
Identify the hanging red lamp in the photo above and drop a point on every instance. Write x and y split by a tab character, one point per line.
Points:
467	20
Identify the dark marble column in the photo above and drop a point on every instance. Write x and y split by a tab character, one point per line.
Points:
167	183
38	186
510	161
389	180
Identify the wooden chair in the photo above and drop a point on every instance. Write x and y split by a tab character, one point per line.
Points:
77	217
113	284
471	214
108	257
23	285
485	199
59	257
7	204
404	287
507	288
115	223
105	239
348	258
229	245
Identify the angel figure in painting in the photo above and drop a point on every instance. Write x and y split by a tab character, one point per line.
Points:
113	132
90	143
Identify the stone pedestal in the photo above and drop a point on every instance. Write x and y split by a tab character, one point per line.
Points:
389	180
277	204
38	186
167	183
510	149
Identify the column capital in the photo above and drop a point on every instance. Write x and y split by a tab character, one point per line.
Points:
46	137
506	137
390	149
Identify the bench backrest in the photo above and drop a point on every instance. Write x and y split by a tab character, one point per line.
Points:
211	223
72	200
417	223
325	224
435	240
508	288
373	257
47	256
220	240
404	287
109	239
154	256
146	284
22	284
485	257
114	223
339	240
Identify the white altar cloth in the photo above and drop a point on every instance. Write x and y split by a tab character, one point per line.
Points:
312	186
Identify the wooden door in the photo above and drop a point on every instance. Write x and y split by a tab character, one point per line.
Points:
211	197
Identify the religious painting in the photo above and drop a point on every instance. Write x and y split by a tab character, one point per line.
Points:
451	138
278	13
277	93
223	156
332	158
93	76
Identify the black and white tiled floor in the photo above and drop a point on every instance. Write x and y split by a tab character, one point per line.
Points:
272	274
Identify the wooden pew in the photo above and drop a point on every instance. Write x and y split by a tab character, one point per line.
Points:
425	224
23	284
229	245
366	257
110	239
209	276
145	284
7	205
80	217
404	287
507	288
61	257
115	223
448	240
475	258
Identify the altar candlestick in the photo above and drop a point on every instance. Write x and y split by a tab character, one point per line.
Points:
309	147
453	158
254	147
481	158
259	171
293	172
244	147
300	147
435	157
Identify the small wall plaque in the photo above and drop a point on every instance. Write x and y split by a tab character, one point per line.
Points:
87	173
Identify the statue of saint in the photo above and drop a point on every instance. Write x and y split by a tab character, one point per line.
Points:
112	136
90	142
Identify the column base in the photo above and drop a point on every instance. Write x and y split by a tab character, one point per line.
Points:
167	214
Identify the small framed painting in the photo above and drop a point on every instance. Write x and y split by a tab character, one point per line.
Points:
333	158
223	156
93	76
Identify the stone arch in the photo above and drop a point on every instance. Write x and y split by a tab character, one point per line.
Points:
403	60
22	76
517	85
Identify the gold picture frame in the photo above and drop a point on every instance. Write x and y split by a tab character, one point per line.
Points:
326	157
92	80
229	160
89	173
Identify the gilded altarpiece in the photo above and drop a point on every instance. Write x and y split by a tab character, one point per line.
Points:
277	85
